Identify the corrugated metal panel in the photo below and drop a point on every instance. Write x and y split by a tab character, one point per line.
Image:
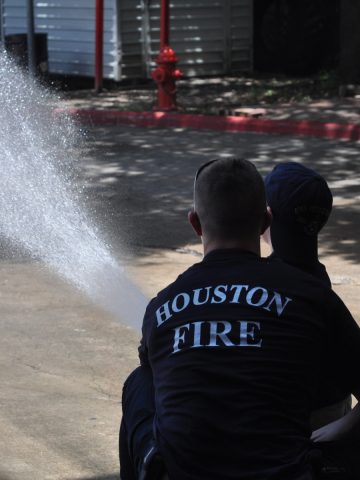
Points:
1	22
241	35
211	37
70	26
133	42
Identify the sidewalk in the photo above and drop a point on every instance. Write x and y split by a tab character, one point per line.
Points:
63	360
345	110
221	109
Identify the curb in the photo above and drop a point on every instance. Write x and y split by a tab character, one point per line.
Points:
333	131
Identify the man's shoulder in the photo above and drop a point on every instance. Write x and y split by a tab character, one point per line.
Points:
312	289
285	269
315	269
315	288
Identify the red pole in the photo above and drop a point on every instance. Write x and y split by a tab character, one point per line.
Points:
99	39
166	73
164	23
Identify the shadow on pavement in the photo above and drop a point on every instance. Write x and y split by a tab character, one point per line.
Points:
4	476
139	181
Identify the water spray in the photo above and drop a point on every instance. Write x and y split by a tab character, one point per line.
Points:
42	211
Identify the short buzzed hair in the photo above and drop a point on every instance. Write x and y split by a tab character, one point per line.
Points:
229	198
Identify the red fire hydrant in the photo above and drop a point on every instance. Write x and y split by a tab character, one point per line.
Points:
165	75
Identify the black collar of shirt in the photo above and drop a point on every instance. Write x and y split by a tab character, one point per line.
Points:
225	254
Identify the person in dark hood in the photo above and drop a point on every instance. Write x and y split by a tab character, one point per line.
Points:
300	202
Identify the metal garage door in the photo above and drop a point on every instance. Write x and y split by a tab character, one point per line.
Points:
210	37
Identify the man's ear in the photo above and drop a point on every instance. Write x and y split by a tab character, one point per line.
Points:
195	222
267	219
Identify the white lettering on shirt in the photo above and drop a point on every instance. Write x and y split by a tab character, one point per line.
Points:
238	289
217	333
179	338
196	298
176	304
163	313
254	296
280	305
219	294
248	332
250	300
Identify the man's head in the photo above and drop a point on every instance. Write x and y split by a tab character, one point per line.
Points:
300	202
229	201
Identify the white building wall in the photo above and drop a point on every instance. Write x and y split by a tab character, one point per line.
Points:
210	37
70	27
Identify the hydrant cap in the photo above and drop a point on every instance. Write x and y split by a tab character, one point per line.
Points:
167	54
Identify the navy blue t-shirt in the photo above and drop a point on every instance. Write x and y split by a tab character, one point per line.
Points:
237	345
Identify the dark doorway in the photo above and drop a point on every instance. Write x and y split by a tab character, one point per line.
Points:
297	37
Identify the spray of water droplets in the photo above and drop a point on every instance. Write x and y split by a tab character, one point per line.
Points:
40	210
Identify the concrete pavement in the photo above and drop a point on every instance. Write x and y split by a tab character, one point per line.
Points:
63	360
